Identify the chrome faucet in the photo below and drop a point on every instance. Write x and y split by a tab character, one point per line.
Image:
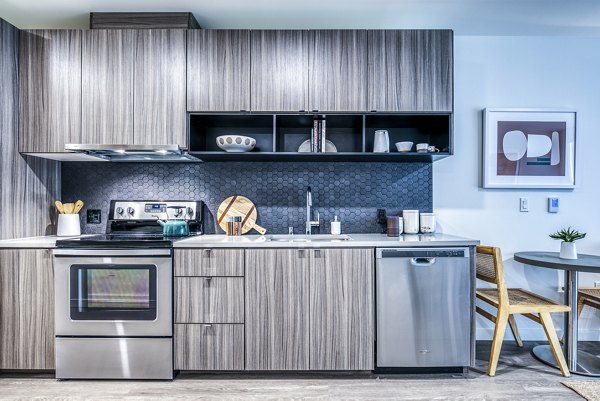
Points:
309	222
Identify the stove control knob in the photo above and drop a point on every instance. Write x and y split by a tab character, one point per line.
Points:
130	210
120	211
190	211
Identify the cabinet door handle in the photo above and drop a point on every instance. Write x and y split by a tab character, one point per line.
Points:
207	252
208	279
207	326
317	253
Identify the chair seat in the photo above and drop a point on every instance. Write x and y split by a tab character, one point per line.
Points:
593	294
522	299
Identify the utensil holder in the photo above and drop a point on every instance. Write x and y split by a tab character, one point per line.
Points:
68	225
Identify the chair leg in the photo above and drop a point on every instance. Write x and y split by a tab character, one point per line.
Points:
554	344
513	327
501	322
580	302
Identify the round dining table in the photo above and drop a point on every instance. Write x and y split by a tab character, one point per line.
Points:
579	362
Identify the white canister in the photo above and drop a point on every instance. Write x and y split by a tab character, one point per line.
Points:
68	225
427	223
381	143
411	221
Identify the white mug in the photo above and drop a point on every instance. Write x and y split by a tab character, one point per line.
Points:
68	225
422	147
427	223
411	221
382	142
432	149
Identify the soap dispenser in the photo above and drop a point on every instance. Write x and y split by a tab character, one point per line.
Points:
336	226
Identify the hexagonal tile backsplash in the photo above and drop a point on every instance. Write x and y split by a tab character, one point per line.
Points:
353	191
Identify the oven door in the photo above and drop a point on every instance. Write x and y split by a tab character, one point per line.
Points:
113	292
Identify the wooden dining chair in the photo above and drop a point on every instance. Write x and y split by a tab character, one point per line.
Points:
588	296
511	301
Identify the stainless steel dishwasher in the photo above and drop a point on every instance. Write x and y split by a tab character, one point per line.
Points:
423	307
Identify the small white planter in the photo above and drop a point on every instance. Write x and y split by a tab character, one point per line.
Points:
568	250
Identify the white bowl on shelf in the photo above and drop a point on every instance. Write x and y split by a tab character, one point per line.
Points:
236	143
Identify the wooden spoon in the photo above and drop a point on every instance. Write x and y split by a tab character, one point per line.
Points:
59	207
78	206
68	207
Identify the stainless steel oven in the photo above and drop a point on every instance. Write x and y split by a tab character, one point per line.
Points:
113	313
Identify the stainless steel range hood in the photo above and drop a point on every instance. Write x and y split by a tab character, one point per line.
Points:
133	153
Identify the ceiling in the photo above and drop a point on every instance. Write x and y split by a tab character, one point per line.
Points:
465	17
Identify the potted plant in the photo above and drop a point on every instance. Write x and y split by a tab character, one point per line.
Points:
567	246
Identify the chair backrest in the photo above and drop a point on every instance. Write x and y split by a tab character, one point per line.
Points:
491	269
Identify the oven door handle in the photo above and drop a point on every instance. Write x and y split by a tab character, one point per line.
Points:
112	252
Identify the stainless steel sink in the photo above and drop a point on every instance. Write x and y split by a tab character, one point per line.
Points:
308	238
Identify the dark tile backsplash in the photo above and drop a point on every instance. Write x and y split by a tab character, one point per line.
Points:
353	191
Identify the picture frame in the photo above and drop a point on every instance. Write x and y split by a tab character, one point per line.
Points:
529	148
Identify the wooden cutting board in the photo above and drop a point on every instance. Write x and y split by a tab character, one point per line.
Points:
238	205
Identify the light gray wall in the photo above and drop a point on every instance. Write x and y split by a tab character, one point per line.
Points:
529	72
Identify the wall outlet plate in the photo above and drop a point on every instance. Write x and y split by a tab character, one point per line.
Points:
524	204
94	216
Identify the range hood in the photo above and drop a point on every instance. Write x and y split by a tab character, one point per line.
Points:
133	153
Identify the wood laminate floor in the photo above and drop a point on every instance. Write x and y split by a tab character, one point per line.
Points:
519	377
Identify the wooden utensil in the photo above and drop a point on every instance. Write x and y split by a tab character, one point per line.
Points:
68	207
238	205
59	207
78	206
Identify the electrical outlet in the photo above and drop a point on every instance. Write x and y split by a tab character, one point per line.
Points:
596	284
524	204
553	204
94	216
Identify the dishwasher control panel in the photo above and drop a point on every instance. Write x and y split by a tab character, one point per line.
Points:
422	253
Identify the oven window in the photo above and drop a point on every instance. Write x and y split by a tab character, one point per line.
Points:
113	292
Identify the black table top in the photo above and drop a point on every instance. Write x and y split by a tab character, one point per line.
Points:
551	260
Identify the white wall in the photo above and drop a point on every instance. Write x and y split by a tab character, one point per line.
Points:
530	72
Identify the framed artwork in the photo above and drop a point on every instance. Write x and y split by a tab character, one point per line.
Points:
529	148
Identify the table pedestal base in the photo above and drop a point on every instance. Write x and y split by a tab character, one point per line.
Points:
587	364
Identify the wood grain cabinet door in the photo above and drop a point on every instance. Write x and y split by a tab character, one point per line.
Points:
50	90
410	70
107	86
209	262
277	329
209	300
218	70
26	309
209	346
279	70
341	309
337	74
160	87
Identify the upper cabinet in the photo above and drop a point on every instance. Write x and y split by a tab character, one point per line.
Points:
410	70
218	70
50	90
159	87
107	82
279	70
337	75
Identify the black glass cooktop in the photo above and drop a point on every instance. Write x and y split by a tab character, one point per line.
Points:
117	241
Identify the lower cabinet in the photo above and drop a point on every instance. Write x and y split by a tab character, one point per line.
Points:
277	321
309	309
209	346
26	309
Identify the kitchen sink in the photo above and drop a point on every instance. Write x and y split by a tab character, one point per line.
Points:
308	238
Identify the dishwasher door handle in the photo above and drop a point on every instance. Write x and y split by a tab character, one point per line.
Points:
422	261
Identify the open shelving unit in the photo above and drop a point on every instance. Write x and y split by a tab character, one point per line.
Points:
279	135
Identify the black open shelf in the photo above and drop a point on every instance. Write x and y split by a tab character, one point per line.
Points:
279	135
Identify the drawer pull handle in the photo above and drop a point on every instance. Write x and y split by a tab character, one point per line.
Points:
207	325
207	252
208	279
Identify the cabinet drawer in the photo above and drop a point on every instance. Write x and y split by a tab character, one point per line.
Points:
209	300
209	346
209	262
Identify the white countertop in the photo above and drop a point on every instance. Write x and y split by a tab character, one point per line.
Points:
357	241
260	241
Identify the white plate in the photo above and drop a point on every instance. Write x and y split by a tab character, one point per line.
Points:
305	147
236	143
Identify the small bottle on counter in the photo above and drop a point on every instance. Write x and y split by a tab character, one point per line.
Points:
336	226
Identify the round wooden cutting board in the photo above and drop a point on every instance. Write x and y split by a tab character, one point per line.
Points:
238	205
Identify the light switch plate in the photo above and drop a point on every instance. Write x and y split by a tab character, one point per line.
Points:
524	204
553	204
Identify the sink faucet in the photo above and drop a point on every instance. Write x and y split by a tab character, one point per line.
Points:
309	222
